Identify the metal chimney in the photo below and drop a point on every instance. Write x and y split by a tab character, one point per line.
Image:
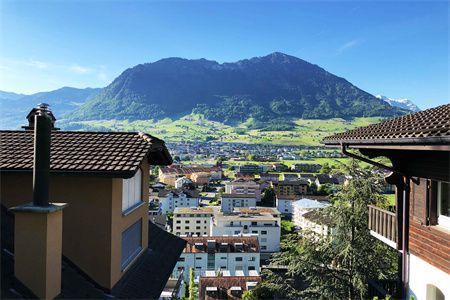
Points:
41	163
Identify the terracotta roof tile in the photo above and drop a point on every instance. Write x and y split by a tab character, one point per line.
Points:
111	153
431	126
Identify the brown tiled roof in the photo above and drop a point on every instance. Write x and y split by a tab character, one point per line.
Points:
249	244
99	153
431	126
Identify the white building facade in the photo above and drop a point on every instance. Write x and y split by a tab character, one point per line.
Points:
263	222
231	201
190	221
235	254
169	200
302	206
244	187
284	203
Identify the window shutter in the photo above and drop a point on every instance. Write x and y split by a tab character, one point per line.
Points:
419	195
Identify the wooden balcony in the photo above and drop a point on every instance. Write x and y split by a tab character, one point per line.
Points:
383	225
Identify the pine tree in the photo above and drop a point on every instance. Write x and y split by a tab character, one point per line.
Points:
337	266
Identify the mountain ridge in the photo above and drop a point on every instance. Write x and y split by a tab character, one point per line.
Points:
266	87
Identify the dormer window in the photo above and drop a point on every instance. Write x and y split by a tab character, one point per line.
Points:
132	191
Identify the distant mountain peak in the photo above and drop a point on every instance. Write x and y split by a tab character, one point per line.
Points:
403	103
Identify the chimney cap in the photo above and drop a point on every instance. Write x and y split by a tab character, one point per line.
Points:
40	109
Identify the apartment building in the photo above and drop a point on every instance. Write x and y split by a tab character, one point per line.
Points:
303	206
191	221
305	167
171	199
284	203
418	146
246	187
232	253
226	287
316	221
230	201
100	221
297	187
263	222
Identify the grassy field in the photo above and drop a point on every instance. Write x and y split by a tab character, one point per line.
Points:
196	128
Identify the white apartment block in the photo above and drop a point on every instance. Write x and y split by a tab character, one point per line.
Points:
171	199
246	187
263	222
284	203
190	221
235	254
317	222
231	201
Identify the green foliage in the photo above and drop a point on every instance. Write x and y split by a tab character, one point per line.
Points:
249	295
287	227
325	189
336	267
268	197
192	287
326	169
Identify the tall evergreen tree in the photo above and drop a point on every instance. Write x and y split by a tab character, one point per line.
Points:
337	266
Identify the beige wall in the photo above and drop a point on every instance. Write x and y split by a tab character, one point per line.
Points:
92	222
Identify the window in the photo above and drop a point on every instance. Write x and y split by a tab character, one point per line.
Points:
238	258
198	258
178	227
251	268
186	221
254	223
255	231
131	243
263	240
198	221
252	258
263	232
237	232
263	247
197	227
178	221
443	194
181	259
132	191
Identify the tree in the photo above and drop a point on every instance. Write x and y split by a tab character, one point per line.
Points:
336	267
268	197
326	169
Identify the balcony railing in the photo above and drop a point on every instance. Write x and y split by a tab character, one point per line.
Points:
383	225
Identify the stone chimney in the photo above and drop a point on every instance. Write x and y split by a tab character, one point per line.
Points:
38	224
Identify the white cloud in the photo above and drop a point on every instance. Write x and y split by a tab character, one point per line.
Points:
36	64
348	45
79	69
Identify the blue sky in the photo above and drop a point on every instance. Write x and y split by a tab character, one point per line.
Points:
399	49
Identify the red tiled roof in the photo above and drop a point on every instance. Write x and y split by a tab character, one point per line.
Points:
100	153
431	126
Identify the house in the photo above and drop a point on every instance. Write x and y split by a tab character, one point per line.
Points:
232	253
200	178
305	167
418	147
171	199
289	177
298	187
325	179
249	169
226	287
246	187
264	222
275	177
170	174
230	201
279	167
191	221
284	203
89	196
182	182
316	221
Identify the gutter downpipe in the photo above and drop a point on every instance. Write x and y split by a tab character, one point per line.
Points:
402	183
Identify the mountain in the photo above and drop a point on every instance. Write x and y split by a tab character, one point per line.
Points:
62	101
401	103
274	87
